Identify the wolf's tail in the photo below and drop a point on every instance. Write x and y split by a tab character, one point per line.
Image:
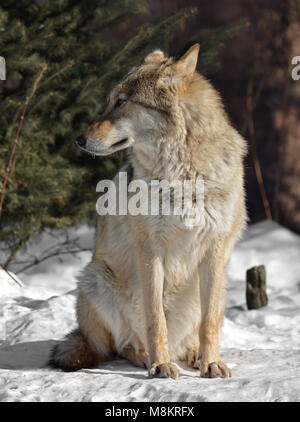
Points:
73	353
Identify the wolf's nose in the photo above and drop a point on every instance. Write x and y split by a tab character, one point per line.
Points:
81	141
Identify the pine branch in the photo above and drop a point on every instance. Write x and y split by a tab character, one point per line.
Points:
70	246
35	85
38	261
15	280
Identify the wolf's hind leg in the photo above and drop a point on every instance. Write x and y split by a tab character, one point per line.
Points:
140	358
87	346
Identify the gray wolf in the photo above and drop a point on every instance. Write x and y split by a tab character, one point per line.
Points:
155	290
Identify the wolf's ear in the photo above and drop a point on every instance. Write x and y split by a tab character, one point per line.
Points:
155	57
186	65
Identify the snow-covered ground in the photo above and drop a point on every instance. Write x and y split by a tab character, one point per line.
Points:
262	347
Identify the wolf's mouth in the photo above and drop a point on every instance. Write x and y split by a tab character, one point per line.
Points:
93	149
120	143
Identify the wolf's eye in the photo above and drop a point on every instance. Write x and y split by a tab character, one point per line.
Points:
119	102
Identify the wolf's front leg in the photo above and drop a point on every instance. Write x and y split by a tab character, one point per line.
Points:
152	278
213	300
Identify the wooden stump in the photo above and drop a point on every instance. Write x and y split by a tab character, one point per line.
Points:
256	288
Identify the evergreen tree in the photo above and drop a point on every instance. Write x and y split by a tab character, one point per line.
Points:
57	59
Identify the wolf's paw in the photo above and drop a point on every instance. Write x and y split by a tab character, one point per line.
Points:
214	370
143	360
140	358
192	357
164	370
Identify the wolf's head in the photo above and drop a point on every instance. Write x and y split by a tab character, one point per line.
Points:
142	106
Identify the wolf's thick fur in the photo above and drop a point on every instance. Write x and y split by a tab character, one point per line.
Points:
155	291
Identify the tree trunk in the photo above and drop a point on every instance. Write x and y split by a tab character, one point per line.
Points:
256	288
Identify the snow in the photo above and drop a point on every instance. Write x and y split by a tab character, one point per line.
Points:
260	346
